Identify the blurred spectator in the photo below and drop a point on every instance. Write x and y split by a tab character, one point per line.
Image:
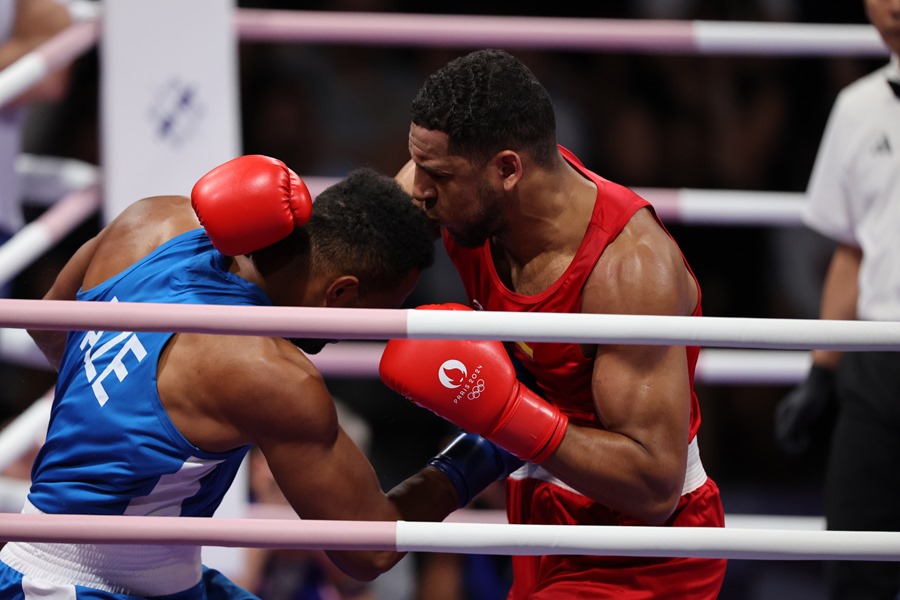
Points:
853	200
24	25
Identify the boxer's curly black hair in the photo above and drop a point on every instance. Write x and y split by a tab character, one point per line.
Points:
368	226
488	101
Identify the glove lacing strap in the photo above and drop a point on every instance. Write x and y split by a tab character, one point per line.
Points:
694	475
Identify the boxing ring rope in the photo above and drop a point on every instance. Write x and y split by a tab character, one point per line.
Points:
656	36
648	35
554	33
380	324
360	360
74	41
456	537
686	206
493	516
45	179
43	233
71	190
714	366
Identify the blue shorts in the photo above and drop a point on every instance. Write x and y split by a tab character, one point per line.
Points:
212	586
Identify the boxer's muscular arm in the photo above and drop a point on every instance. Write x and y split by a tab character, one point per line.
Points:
246	204
839	295
324	475
50	342
265	391
641	393
139	229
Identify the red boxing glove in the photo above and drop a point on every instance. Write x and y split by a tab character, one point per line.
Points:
444	306
473	385
250	202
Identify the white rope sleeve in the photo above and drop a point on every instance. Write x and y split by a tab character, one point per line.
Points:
43	233
375	324
464	538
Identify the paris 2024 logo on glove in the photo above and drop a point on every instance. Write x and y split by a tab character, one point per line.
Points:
454	375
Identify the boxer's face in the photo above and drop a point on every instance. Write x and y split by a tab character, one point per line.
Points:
350	296
394	297
452	191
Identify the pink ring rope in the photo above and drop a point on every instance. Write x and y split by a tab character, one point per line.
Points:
554	33
466	538
683	37
43	233
369	324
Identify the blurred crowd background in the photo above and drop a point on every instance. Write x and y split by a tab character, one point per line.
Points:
640	119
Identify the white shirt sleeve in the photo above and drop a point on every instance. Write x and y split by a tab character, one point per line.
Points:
829	201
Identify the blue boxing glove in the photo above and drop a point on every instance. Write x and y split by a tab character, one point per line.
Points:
472	463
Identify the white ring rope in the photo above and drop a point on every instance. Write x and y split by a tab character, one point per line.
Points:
695	206
46	179
83	10
726	207
754	367
714	366
256	510
645	35
554	33
788	522
17	347
464	538
381	324
684	206
47	58
360	360
43	233
470	515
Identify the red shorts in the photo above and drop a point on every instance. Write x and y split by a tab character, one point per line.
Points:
557	577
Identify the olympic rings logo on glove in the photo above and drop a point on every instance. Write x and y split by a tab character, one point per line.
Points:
476	390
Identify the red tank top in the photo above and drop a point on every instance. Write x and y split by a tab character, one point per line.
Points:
561	371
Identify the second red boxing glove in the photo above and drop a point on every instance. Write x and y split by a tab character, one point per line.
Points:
250	202
473	385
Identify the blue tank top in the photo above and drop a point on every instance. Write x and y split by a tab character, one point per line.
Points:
111	448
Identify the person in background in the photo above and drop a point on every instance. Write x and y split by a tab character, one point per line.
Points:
24	25
854	199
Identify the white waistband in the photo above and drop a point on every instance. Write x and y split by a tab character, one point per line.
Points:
694	475
150	570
